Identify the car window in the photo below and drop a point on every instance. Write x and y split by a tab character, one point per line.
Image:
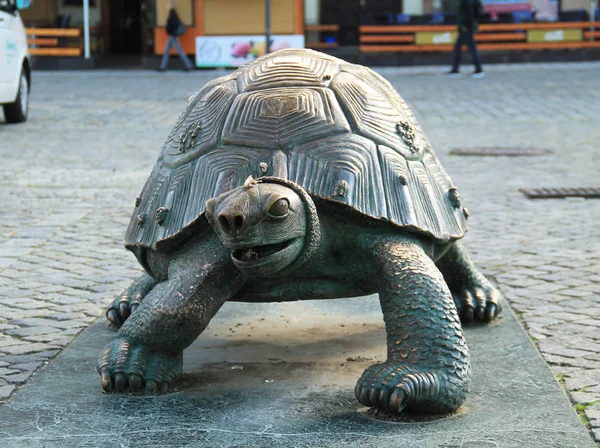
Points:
7	6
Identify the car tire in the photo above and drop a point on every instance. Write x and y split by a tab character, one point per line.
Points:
17	112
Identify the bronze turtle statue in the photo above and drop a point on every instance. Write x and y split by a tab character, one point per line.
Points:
301	176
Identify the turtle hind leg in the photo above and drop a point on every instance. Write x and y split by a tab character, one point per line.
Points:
476	299
427	366
123	306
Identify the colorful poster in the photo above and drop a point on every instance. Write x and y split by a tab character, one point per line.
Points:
233	51
545	10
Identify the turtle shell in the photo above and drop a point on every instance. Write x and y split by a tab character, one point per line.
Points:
337	129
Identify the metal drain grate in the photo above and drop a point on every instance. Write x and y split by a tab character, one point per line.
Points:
559	193
499	151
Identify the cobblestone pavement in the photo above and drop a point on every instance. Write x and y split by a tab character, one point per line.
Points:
70	174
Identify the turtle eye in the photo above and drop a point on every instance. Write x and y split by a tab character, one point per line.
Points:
280	208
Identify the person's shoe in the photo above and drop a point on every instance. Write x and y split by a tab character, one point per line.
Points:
160	69
478	74
453	74
187	69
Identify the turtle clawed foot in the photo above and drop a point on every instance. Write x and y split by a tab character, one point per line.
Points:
393	387
123	306
124	366
478	302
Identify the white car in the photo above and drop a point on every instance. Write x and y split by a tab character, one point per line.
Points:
15	71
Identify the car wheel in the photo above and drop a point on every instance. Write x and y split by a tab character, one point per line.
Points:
17	112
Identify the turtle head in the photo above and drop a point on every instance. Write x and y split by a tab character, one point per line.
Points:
266	223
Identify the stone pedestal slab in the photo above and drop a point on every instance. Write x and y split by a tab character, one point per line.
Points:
282	375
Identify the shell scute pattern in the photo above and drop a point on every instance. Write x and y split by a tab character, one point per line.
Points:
329	126
200	129
283	117
289	69
387	92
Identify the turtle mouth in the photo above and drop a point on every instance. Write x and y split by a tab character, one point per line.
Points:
267	259
257	253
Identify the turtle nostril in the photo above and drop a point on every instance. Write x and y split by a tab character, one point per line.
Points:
238	222
224	222
231	223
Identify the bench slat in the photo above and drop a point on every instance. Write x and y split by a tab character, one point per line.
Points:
55	51
539	46
386	39
381	29
500	37
43	41
404	48
56	32
321	28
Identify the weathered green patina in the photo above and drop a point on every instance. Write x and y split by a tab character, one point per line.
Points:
300	176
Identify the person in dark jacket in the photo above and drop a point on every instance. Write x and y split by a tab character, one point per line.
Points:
468	13
175	28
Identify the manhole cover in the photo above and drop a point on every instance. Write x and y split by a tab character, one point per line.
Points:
555	193
499	151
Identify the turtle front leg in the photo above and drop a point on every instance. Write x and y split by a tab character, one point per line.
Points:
124	305
427	367
475	297
147	352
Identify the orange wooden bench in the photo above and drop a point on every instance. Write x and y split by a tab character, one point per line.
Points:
46	41
491	37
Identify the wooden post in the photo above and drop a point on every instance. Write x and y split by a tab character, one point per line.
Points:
298	16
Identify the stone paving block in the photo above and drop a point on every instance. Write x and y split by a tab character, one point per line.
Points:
23	303
591	322
33	331
5	262
21	242
593	412
5	391
6	341
18	378
576	292
580	380
41	232
7	252
585	397
573	362
546	287
29	366
25	348
570	317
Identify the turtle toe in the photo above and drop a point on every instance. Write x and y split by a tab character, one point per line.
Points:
478	302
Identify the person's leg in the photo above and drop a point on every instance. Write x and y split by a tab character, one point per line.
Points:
470	41
165	59
457	45
180	52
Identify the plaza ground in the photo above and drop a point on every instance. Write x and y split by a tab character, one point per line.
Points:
70	175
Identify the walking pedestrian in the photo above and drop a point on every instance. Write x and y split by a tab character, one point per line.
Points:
467	15
175	28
